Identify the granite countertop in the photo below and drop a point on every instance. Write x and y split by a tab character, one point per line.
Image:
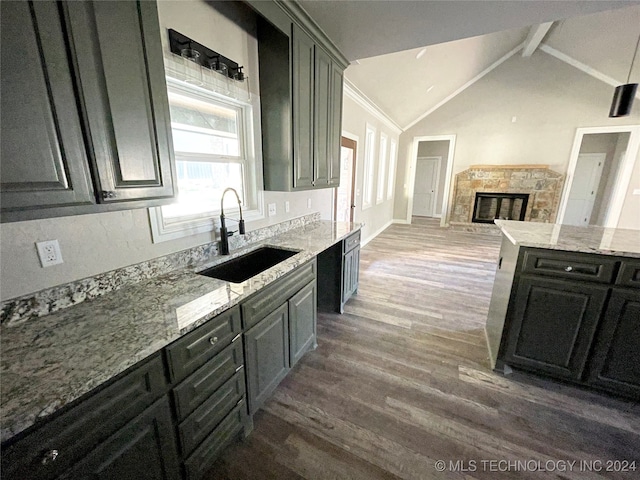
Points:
591	239
51	361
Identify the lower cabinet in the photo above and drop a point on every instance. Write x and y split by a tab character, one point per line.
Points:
616	359
144	449
267	353
339	273
303	318
554	322
350	273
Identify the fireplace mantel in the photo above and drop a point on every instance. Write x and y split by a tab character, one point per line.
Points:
543	185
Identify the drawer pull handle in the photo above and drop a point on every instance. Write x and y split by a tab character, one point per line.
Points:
213	340
236	337
239	368
568	268
50	456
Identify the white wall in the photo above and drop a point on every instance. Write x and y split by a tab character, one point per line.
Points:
549	99
354	121
93	244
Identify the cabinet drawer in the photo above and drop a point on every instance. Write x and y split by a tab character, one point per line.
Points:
271	297
205	455
76	432
208	415
629	274
207	379
194	349
351	242
595	268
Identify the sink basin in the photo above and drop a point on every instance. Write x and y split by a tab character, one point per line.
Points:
242	268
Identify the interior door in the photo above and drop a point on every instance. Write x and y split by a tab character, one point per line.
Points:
344	197
584	188
426	185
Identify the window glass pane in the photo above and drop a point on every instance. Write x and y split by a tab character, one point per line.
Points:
200	187
204	127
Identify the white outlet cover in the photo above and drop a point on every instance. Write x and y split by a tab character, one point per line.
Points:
272	209
49	253
286	206
308	203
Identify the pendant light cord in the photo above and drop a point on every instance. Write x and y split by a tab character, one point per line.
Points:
635	54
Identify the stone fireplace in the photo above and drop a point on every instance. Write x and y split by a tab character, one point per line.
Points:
519	192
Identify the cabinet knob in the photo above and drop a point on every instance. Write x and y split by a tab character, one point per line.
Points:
568	268
213	340
50	456
108	194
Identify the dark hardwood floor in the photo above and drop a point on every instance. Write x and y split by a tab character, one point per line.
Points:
402	380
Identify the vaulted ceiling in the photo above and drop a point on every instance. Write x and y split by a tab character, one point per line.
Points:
406	87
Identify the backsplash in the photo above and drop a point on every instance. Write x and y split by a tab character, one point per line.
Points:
21	309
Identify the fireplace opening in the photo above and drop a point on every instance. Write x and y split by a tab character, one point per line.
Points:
505	206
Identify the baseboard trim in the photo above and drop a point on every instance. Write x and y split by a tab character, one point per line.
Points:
376	233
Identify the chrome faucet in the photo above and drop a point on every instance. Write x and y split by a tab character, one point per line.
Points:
224	234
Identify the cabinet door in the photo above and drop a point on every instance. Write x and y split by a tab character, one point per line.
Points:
44	161
347	276
355	270
144	449
124	97
267	356
303	65
302	321
335	125
616	356
322	136
552	324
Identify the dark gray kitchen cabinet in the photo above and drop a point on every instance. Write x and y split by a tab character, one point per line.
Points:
144	449
123	91
44	160
91	432
616	356
339	273
301	105
553	325
267	356
303	318
85	118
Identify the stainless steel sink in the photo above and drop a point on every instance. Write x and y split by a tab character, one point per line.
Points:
246	266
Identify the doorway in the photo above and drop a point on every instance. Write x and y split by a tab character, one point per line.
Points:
432	182
425	189
344	201
598	175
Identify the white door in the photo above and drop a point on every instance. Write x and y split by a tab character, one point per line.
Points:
426	185
584	188
344	201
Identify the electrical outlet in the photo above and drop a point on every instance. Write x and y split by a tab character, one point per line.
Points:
308	203
286	207
49	253
272	209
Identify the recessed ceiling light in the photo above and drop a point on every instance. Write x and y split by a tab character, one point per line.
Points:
421	53
430	88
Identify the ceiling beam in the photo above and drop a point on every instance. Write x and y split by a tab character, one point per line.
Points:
536	34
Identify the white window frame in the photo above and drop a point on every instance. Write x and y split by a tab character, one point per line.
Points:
369	164
163	229
393	158
382	167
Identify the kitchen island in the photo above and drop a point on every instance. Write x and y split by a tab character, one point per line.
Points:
180	333
566	304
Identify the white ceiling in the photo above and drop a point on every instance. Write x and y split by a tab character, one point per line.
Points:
366	28
399	83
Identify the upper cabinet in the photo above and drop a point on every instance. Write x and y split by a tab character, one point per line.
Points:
85	117
301	77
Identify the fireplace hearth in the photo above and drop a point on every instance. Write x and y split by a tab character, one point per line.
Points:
506	206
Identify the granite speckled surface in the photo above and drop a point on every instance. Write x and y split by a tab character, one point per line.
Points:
44	302
604	241
50	361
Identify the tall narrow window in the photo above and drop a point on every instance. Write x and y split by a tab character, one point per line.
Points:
382	167
393	158
369	159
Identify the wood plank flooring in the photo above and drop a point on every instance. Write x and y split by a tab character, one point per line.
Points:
402	379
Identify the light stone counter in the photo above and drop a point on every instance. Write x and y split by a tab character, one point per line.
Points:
604	241
50	361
